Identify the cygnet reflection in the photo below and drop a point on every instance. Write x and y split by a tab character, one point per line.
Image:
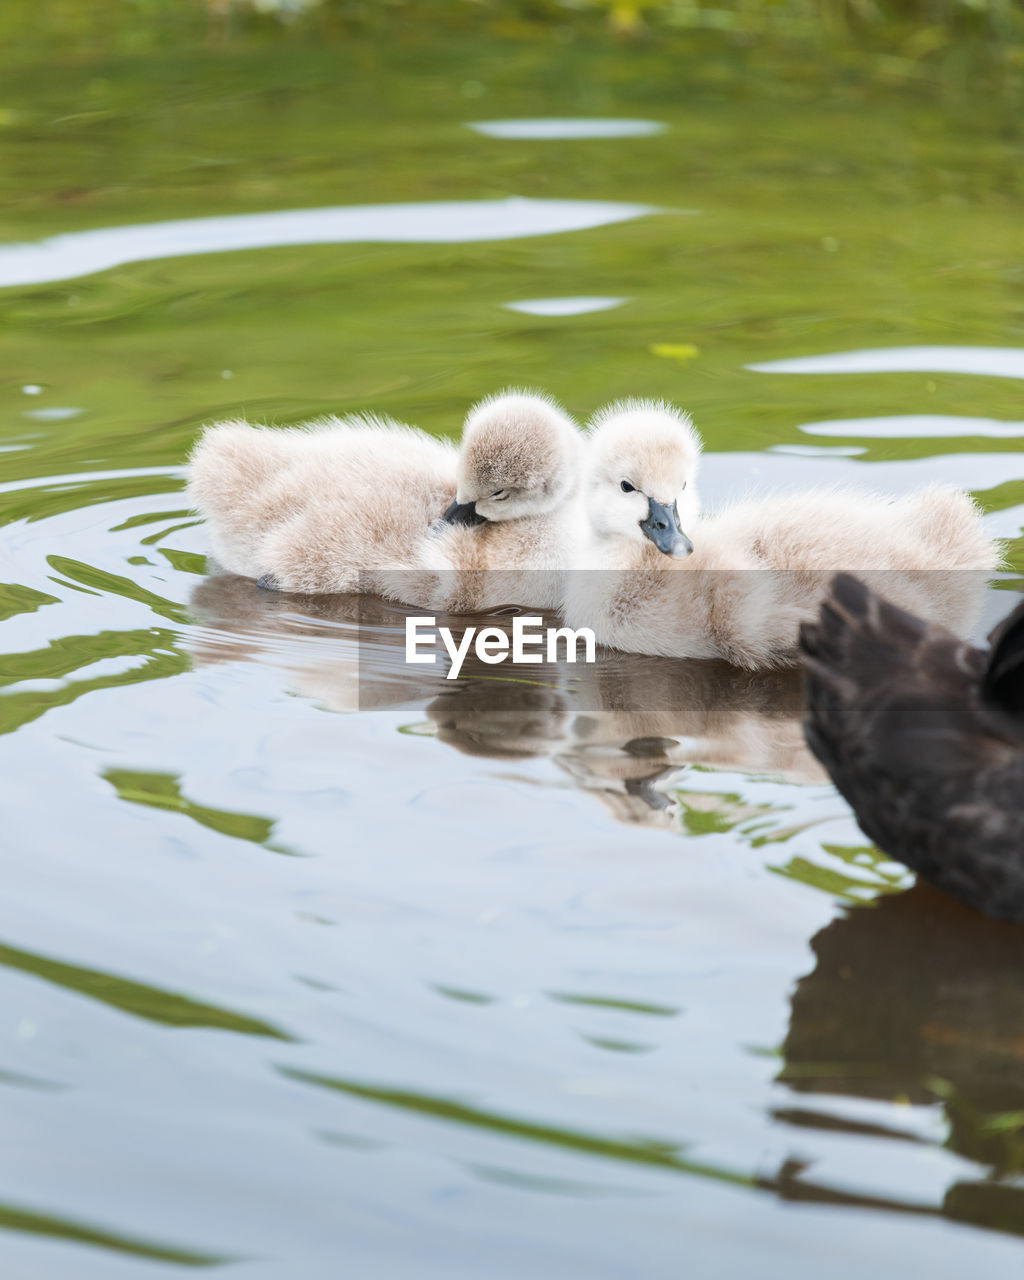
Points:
619	727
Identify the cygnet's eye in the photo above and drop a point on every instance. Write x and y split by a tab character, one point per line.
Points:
626	487
500	495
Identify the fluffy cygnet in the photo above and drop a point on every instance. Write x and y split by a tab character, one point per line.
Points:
518	478
643	586
639	485
927	550
369	505
736	586
316	506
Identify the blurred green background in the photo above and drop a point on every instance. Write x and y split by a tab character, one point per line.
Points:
923	26
854	171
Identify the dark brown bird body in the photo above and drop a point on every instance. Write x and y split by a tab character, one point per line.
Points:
924	737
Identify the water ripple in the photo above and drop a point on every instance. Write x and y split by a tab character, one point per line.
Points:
81	253
18	1218
554	129
993	362
916	426
155	1004
563	306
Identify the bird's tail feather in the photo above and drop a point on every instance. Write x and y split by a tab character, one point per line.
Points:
950	523
229	463
860	641
859	634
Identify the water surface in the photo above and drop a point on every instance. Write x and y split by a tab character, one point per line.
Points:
302	969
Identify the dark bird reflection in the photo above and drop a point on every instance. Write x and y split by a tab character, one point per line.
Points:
920	999
615	727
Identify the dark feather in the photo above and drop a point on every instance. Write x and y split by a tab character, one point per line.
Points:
924	737
1004	677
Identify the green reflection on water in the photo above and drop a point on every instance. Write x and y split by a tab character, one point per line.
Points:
41	501
151	517
42	1224
151	1003
15	599
705	813
163	791
656	1155
465	997
869	873
609	1002
114	583
71	653
18	1080
522	1181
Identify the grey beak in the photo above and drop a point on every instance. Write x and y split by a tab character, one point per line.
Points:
463	513
662	527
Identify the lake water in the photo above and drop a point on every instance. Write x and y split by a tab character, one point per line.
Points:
595	977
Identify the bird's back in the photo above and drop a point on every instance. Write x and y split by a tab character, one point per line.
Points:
315	506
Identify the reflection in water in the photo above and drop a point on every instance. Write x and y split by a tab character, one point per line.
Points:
135	998
54	414
58	1228
920	999
155	646
502	721
31	500
163	791
563	306
995	362
101	581
81	253
915	426
17	1080
16	598
617	728
543	129
912	998
651	739
656	1154
859	874
818	451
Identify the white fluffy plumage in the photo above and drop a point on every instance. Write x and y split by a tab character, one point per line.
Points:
758	568
355	504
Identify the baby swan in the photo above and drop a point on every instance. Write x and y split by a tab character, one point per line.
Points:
759	568
640	484
927	550
313	507
515	527
644	586
367	505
